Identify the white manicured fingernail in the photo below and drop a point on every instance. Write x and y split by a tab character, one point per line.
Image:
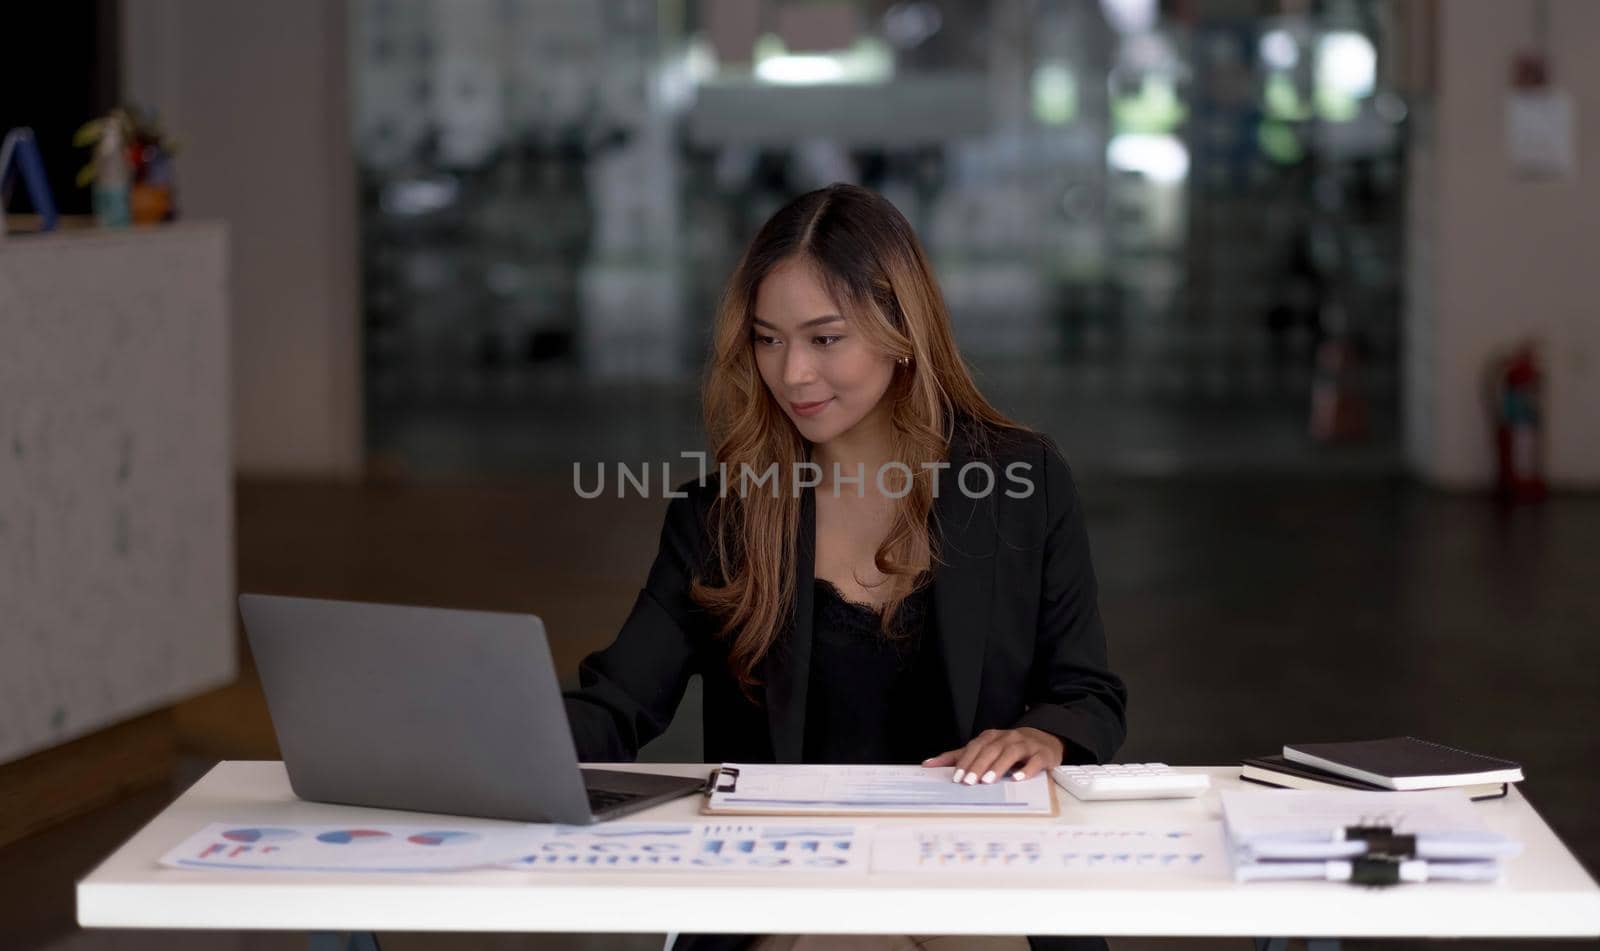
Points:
972	779
957	777
989	776
1017	775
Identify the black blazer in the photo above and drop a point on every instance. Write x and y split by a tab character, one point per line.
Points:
1014	600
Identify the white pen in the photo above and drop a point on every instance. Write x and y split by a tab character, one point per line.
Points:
1335	846
1412	871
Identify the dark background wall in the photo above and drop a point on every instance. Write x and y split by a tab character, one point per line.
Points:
58	70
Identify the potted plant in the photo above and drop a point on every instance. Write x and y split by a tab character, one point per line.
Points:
132	168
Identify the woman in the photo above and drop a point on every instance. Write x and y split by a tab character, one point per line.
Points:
884	569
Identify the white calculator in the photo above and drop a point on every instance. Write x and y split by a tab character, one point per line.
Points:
1130	781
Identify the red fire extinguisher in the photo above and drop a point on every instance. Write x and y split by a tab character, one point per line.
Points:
1517	408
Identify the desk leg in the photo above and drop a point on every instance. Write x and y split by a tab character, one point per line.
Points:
337	941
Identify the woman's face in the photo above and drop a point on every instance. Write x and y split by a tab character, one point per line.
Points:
824	374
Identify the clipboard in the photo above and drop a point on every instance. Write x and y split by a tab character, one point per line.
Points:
737	789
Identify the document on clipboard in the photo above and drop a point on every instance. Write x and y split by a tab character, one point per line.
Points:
790	790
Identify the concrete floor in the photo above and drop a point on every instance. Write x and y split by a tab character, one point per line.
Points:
1243	612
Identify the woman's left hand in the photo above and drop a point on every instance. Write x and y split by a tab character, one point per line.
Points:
1021	753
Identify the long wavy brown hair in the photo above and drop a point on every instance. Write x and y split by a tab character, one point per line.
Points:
874	269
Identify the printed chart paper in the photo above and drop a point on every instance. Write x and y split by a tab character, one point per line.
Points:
1253	815
721	847
1300	834
375	848
1188	852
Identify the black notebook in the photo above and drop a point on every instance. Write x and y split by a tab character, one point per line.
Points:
1405	762
1284	774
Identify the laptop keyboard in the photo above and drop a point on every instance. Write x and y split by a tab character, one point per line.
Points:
600	799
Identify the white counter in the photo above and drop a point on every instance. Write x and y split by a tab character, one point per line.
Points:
116	501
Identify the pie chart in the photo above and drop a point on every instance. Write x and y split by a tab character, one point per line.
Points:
258	835
349	836
442	838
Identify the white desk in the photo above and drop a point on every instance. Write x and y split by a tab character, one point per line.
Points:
1546	892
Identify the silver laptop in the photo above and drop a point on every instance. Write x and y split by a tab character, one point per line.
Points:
430	710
